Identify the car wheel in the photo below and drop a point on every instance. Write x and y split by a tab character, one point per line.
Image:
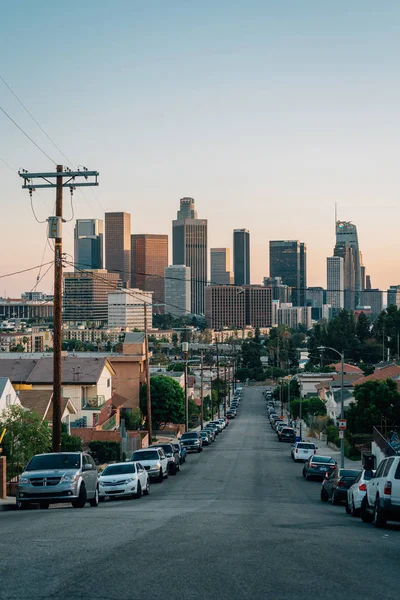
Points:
80	503
44	505
366	517
379	518
173	470
94	502
146	491
178	468
161	476
304	473
138	491
324	495
355	512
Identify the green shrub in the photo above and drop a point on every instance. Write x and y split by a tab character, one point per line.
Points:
105	452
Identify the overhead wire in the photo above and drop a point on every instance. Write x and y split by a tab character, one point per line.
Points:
25	270
8	165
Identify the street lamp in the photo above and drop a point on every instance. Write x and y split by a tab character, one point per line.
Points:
341	354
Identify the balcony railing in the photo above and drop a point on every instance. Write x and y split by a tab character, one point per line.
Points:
93	402
110	424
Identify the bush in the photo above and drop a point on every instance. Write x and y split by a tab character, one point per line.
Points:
105	452
69	443
332	433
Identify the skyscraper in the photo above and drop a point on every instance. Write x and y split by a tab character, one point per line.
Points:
88	244
347	248
220	266
237	306
241	256
288	260
335	281
118	245
149	257
393	295
177	290
189	247
86	296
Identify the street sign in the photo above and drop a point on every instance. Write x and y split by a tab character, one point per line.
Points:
341	433
342	424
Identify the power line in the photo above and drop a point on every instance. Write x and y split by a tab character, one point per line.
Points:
9	166
26	135
26	270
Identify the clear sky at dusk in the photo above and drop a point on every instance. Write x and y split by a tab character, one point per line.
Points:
267	113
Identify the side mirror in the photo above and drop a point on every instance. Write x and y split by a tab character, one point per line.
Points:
87	467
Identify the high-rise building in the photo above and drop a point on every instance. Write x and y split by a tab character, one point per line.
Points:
189	247
86	296
293	316
393	295
335	281
315	297
372	298
241	256
149	257
288	260
126	309
177	290
368	285
279	291
88	244
238	306
221	266
347	248
118	245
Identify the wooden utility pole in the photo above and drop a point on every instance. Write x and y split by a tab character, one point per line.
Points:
57	344
218	388
56	180
201	391
225	389
148	390
185	348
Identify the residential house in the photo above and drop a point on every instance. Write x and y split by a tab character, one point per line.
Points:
41	401
8	395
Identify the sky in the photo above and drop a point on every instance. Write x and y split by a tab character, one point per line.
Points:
266	113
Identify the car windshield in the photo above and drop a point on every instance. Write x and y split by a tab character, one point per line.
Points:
145	455
322	459
345	473
166	447
188	436
306	446
54	461
287	430
119	469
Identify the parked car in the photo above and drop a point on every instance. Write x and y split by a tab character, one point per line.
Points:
336	483
205	436
192	441
316	466
287	434
59	477
356	493
303	450
213	428
154	461
231	414
211	433
217	424
223	422
382	499
280	425
124	479
174	461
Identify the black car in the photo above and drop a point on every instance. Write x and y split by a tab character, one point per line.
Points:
287	434
231	414
192	441
317	466
173	457
336	484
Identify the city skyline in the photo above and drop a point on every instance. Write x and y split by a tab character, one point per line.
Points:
293	90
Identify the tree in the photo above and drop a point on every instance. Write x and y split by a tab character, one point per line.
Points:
373	400
27	434
133	419
194	412
178	367
69	443
363	327
167	401
251	354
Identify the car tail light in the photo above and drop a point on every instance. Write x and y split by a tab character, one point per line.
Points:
315	452
297	451
362	487
387	490
340	484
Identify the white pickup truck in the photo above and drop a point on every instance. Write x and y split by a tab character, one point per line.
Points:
382	499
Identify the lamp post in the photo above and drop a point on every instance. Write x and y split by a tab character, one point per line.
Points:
341	354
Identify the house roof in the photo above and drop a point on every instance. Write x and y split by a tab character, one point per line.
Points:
348	378
17	369
41	402
134	337
3	383
347	368
83	370
118	400
390	372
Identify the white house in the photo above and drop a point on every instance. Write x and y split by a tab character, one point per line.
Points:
8	396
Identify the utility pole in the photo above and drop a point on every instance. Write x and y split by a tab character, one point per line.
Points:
225	389
148	390
56	181
185	348
218	388
201	391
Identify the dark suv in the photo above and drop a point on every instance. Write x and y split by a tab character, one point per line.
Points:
173	457
192	441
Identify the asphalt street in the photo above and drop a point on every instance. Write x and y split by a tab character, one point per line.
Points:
238	522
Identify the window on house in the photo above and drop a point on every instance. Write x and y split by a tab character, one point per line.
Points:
108	382
8	400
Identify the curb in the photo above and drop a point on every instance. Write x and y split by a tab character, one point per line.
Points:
7	506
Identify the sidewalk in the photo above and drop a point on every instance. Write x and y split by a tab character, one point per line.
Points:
326	450
8	504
